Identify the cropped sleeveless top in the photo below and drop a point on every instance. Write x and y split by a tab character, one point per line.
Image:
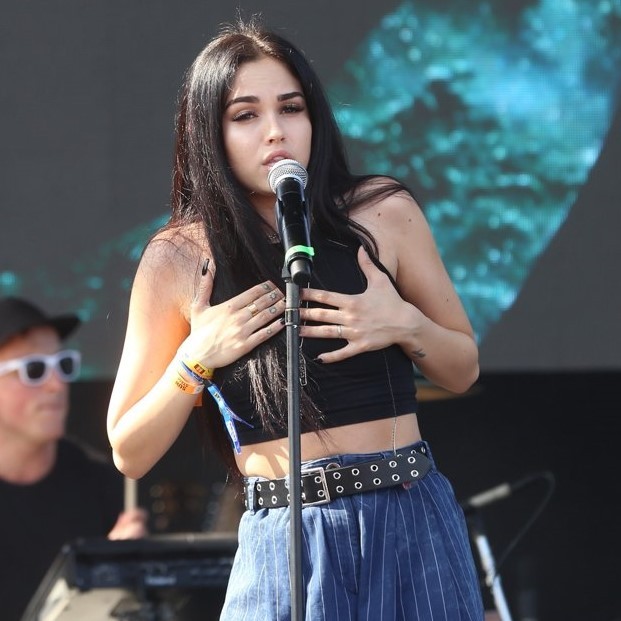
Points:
370	386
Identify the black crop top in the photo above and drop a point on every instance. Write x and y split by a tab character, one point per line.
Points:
370	386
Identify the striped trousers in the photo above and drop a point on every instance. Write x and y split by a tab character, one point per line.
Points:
398	554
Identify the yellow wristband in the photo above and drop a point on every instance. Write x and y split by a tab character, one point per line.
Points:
198	368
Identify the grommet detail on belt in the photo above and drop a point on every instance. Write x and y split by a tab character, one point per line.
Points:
323	484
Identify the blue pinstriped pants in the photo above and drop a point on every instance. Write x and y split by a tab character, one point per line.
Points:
387	555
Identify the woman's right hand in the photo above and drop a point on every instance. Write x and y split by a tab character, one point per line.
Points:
223	333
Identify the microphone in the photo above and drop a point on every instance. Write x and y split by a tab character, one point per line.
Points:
504	490
287	179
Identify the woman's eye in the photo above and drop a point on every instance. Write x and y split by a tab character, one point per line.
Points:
243	116
290	108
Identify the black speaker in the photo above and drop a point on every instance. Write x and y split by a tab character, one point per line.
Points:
181	577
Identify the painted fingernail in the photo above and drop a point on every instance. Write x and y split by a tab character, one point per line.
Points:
205	267
282	321
318	359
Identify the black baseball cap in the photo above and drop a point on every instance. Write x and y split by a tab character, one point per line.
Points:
18	316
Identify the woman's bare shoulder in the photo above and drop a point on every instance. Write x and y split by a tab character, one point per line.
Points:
176	243
385	207
174	250
170	266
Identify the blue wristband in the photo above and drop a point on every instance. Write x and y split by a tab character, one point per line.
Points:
228	415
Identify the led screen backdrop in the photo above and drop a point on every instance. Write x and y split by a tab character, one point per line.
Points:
500	116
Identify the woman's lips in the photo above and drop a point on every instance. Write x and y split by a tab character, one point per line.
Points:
275	157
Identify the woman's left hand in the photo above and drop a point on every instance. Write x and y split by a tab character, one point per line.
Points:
371	320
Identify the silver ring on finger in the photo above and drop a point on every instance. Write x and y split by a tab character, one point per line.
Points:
339	330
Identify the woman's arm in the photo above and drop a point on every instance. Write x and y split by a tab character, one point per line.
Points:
439	338
147	411
170	312
425	316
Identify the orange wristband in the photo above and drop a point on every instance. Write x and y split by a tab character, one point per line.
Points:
185	385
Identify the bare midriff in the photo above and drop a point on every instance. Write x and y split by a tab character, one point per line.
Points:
271	459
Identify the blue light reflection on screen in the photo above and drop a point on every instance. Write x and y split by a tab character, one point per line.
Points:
494	122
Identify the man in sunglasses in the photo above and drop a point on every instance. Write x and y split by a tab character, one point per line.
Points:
51	490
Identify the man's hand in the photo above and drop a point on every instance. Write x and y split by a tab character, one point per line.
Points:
131	524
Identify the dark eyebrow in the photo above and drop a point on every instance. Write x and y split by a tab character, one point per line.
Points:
254	99
246	99
291	95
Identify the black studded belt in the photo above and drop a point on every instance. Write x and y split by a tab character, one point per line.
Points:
324	484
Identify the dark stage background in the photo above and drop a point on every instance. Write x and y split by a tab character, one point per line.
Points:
505	120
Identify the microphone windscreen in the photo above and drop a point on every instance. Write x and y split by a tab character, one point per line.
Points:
286	169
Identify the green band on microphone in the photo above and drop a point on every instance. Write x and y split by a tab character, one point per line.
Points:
309	250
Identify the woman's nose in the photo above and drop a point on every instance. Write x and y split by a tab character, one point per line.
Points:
275	132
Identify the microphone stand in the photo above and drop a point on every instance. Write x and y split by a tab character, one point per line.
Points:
492	579
287	178
292	325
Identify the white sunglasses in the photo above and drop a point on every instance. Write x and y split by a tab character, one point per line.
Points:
37	368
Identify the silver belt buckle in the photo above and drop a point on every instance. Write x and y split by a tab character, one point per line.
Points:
317	473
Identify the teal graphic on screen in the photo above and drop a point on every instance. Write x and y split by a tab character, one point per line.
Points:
493	115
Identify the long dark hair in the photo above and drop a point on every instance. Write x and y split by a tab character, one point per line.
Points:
206	191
